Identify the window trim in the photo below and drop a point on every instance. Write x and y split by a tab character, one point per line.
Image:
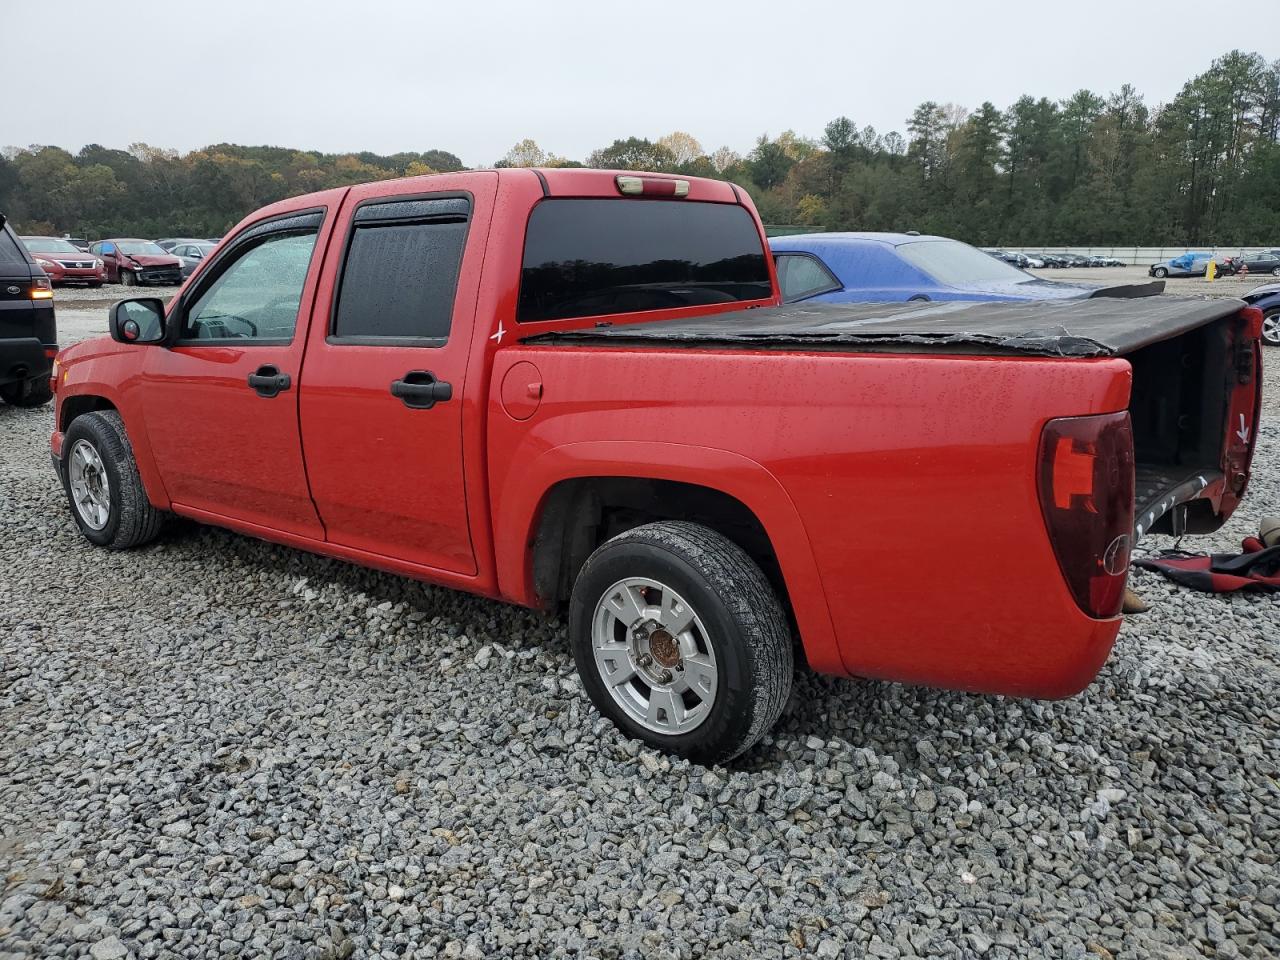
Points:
835	282
177	317
355	223
608	319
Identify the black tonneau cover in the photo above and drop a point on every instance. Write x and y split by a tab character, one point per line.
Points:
1098	327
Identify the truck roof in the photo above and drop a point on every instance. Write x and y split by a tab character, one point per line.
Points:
1099	327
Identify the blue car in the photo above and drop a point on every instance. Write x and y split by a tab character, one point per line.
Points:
888	267
1267	299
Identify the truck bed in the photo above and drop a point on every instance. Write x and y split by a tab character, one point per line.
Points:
1178	348
1098	327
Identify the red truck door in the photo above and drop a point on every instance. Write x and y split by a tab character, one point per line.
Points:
221	402
384	383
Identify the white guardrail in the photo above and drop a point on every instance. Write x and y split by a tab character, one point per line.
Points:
1141	256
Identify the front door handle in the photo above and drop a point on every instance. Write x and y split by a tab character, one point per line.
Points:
268	381
421	390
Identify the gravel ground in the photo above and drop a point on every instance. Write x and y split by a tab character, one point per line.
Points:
213	746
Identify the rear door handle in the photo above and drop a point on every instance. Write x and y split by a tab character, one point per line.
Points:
268	381
421	390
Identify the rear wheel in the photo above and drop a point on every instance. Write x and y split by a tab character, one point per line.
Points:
27	393
1271	328
103	487
680	640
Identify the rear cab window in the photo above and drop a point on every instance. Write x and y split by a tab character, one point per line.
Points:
602	256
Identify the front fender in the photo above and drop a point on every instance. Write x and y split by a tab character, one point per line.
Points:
519	504
109	373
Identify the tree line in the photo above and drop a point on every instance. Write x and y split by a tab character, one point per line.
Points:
1202	169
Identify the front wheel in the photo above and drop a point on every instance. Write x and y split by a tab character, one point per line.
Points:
1161	272
27	393
680	640
1271	328
103	487
128	278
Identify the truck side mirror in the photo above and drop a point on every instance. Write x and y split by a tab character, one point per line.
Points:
139	320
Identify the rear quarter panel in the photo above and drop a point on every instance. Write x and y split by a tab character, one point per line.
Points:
899	491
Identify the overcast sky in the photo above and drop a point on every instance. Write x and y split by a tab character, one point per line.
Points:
475	77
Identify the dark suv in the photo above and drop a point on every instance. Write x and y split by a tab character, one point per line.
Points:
28	336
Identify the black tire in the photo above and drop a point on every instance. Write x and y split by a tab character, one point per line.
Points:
128	278
1275	271
745	625
27	393
1161	273
131	519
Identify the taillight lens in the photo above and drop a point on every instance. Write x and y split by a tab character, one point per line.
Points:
41	288
1086	494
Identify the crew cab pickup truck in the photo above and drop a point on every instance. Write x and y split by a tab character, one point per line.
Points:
577	388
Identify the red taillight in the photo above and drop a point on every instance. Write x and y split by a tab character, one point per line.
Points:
1086	494
651	186
1252	317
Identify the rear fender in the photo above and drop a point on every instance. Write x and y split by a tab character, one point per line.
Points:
518	508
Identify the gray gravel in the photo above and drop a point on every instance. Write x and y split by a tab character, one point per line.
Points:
213	746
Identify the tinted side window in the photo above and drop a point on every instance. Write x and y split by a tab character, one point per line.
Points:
802	276
401	271
10	252
587	257
256	296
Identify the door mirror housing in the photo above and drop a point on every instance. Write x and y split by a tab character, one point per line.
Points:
139	320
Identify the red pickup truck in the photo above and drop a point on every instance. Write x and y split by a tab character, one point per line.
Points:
577	389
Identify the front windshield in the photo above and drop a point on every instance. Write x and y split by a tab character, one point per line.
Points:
140	247
49	245
958	264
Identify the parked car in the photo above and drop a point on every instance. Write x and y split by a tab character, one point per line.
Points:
80	243
848	267
575	388
1185	265
63	262
1267	299
168	243
28	333
136	262
1261	263
192	254
1054	260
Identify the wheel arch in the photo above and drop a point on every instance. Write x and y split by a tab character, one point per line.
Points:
80	404
94	398
571	498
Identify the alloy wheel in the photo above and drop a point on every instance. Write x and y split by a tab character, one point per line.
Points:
90	487
1271	328
654	656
